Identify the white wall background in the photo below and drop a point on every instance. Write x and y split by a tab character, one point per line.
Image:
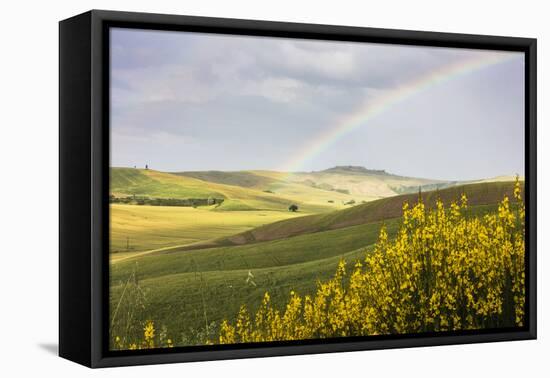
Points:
29	186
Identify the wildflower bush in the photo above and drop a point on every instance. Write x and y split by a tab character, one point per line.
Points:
126	328
445	270
150	339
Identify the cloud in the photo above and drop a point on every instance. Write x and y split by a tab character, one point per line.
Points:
197	68
176	94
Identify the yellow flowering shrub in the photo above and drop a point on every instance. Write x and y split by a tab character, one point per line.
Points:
445	270
150	339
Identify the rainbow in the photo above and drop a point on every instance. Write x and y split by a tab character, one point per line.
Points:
382	103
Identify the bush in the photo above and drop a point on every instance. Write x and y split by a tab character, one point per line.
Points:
445	271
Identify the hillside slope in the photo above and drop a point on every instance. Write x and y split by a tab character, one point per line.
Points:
386	208
246	179
155	184
190	290
141	182
341	183
282	184
361	181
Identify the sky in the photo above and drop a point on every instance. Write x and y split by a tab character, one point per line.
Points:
185	101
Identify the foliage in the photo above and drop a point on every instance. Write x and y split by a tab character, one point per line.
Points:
480	194
125	321
185	202
150	339
445	270
126	312
179	299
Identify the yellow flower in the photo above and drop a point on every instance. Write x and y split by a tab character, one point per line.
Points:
442	271
149	334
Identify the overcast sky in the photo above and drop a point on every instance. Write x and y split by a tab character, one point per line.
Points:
189	101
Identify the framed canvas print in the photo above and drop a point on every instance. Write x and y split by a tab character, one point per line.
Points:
234	188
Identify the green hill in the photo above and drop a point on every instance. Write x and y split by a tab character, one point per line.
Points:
141	182
188	290
136	229
191	305
275	244
188	268
246	179
155	184
357	180
283	185
273	253
386	208
337	184
191	291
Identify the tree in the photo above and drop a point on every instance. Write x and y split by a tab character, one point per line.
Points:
293	208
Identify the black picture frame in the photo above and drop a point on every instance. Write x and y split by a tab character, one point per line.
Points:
84	185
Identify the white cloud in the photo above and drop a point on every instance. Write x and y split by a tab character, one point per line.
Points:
179	95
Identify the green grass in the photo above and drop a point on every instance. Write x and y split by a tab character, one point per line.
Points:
141	182
181	286
187	290
279	184
385	208
135	229
245	179
186	302
155	184
282	252
142	228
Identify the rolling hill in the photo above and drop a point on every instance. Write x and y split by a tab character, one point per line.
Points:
357	183
246	205
387	208
278	184
245	179
191	291
313	192
155	184
136	229
141	182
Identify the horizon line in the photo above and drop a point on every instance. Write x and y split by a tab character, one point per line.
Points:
383	172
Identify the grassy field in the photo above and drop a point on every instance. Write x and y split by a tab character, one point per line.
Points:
280	184
338	184
191	305
235	256
250	201
186	291
282	252
154	184
135	229
386	208
141	182
143	228
241	191
361	182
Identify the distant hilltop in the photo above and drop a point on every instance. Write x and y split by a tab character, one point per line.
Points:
356	169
